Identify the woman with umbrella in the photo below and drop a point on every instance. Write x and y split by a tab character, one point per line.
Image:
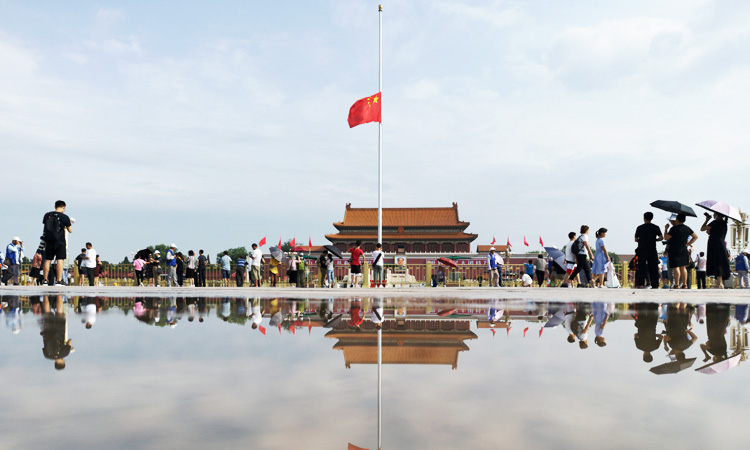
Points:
717	259
678	256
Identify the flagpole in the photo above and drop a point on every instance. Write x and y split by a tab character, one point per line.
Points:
380	124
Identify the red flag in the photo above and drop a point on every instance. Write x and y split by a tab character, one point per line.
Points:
262	242
293	242
508	242
292	329
365	110
493	332
309	329
507	332
309	244
493	240
524	242
279	242
541	242
525	330
540	331
262	330
279	328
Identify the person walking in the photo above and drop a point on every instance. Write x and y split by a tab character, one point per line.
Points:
239	272
700	270
581	249
89	263
679	237
172	266
717	259
154	264
377	264
226	262
97	270
329	271
257	256
741	266
601	258
55	224
36	268
647	235
494	262
190	271
355	265
321	264
13	255
570	261
539	267
180	258
79	264
273	269
138	270
201	270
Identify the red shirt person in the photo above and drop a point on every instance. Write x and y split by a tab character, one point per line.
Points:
355	266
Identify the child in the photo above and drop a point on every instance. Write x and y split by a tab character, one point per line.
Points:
601	258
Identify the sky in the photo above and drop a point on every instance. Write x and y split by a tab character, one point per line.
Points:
211	126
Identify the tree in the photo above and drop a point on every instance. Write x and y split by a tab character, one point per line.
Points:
161	247
614	257
234	253
286	247
125	261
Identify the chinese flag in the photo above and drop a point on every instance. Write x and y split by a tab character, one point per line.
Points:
524	242
262	242
365	110
493	240
541	242
293	242
279	242
309	244
508	242
262	330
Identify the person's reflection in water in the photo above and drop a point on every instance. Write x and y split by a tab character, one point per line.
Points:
88	307
201	308
495	312
256	313
578	325
679	334
741	313
357	317
35	302
226	309
646	320
377	313
13	314
325	309
54	325
192	308
717	321
172	312
601	315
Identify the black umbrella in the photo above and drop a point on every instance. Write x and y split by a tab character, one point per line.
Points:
145	253
674	207
334	251
673	367
333	322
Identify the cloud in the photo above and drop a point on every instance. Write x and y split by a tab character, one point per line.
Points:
493	14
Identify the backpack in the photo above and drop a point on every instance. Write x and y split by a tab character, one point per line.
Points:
53	229
577	246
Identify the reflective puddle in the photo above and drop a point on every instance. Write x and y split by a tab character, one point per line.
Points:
271	373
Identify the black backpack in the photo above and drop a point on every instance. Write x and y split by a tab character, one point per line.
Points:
577	246
53	229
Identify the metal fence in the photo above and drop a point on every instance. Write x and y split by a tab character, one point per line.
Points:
408	275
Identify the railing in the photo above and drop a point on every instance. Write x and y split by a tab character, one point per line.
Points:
408	275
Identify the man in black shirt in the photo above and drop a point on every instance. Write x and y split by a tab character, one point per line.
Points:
55	224
647	235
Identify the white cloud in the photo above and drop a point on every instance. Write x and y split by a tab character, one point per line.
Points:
494	14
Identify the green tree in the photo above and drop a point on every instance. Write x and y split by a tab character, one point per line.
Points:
161	247
614	257
125	261
234	253
286	246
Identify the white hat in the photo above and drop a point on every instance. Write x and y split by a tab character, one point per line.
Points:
157	251
16	238
492	248
172	245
